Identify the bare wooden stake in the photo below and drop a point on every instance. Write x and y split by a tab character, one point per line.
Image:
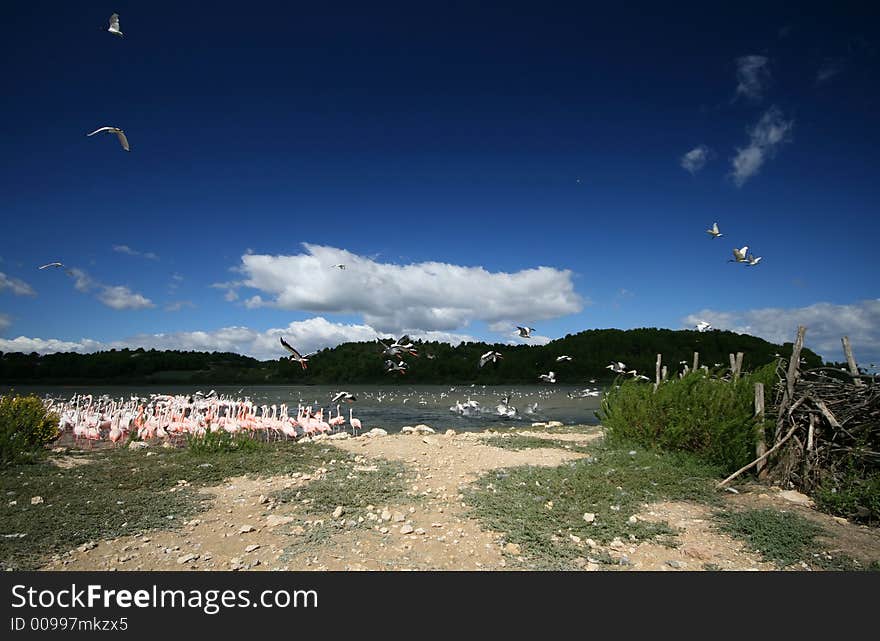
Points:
812	431
790	378
761	448
732	365
851	360
739	365
696	361
663	373
657	376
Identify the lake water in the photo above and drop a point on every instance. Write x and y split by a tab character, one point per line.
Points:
388	407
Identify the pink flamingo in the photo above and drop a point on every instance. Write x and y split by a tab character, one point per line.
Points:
354	422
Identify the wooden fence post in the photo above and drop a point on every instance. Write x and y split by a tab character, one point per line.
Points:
761	448
732	364
663	373
739	365
657	376
851	360
790	378
696	361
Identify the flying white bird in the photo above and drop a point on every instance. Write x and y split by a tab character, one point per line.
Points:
348	397
752	260
714	231
560	359
51	265
702	326
295	355
390	366
114	26
739	255
114	130
338	265
617	368
549	377
525	332
490	356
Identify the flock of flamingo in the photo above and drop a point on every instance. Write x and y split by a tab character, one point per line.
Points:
172	418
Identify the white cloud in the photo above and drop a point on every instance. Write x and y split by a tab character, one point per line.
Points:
307	336
826	323
393	298
16	286
114	296
694	160
121	297
125	249
753	75
771	131
177	305
5	321
828	70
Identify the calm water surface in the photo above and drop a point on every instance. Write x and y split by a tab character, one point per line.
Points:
388	407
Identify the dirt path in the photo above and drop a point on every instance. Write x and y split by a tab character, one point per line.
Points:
244	529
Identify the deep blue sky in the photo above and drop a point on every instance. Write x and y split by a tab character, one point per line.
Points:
503	135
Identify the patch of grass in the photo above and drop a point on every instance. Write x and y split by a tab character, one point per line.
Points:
853	494
221	441
522	442
564	429
612	484
353	489
123	492
783	538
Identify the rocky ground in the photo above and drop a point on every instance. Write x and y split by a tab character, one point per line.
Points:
245	528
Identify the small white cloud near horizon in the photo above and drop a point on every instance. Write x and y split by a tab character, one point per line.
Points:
753	76
125	249
15	285
306	335
826	324
694	160
771	131
390	297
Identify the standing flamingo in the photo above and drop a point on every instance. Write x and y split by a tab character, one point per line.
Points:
354	422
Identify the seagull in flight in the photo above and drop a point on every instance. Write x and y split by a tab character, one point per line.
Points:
549	377
752	260
563	358
490	356
390	366
617	368
348	397
525	332
703	326
295	355
739	255
114	130
114	26
339	265
714	231
51	265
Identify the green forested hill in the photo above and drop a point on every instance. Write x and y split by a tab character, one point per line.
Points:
591	351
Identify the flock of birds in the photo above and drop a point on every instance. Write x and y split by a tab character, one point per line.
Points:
172	418
740	255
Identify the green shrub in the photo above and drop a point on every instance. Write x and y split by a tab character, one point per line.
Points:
221	441
854	494
698	413
25	427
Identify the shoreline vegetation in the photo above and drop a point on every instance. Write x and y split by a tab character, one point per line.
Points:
438	363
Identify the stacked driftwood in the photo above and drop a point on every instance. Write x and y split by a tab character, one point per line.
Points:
826	420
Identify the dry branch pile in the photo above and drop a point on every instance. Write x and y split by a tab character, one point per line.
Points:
827	425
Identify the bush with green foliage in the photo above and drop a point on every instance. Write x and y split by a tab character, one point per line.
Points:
699	413
25	427
221	441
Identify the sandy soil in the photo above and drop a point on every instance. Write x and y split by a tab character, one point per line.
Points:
243	529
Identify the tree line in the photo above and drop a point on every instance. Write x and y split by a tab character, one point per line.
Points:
591	351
